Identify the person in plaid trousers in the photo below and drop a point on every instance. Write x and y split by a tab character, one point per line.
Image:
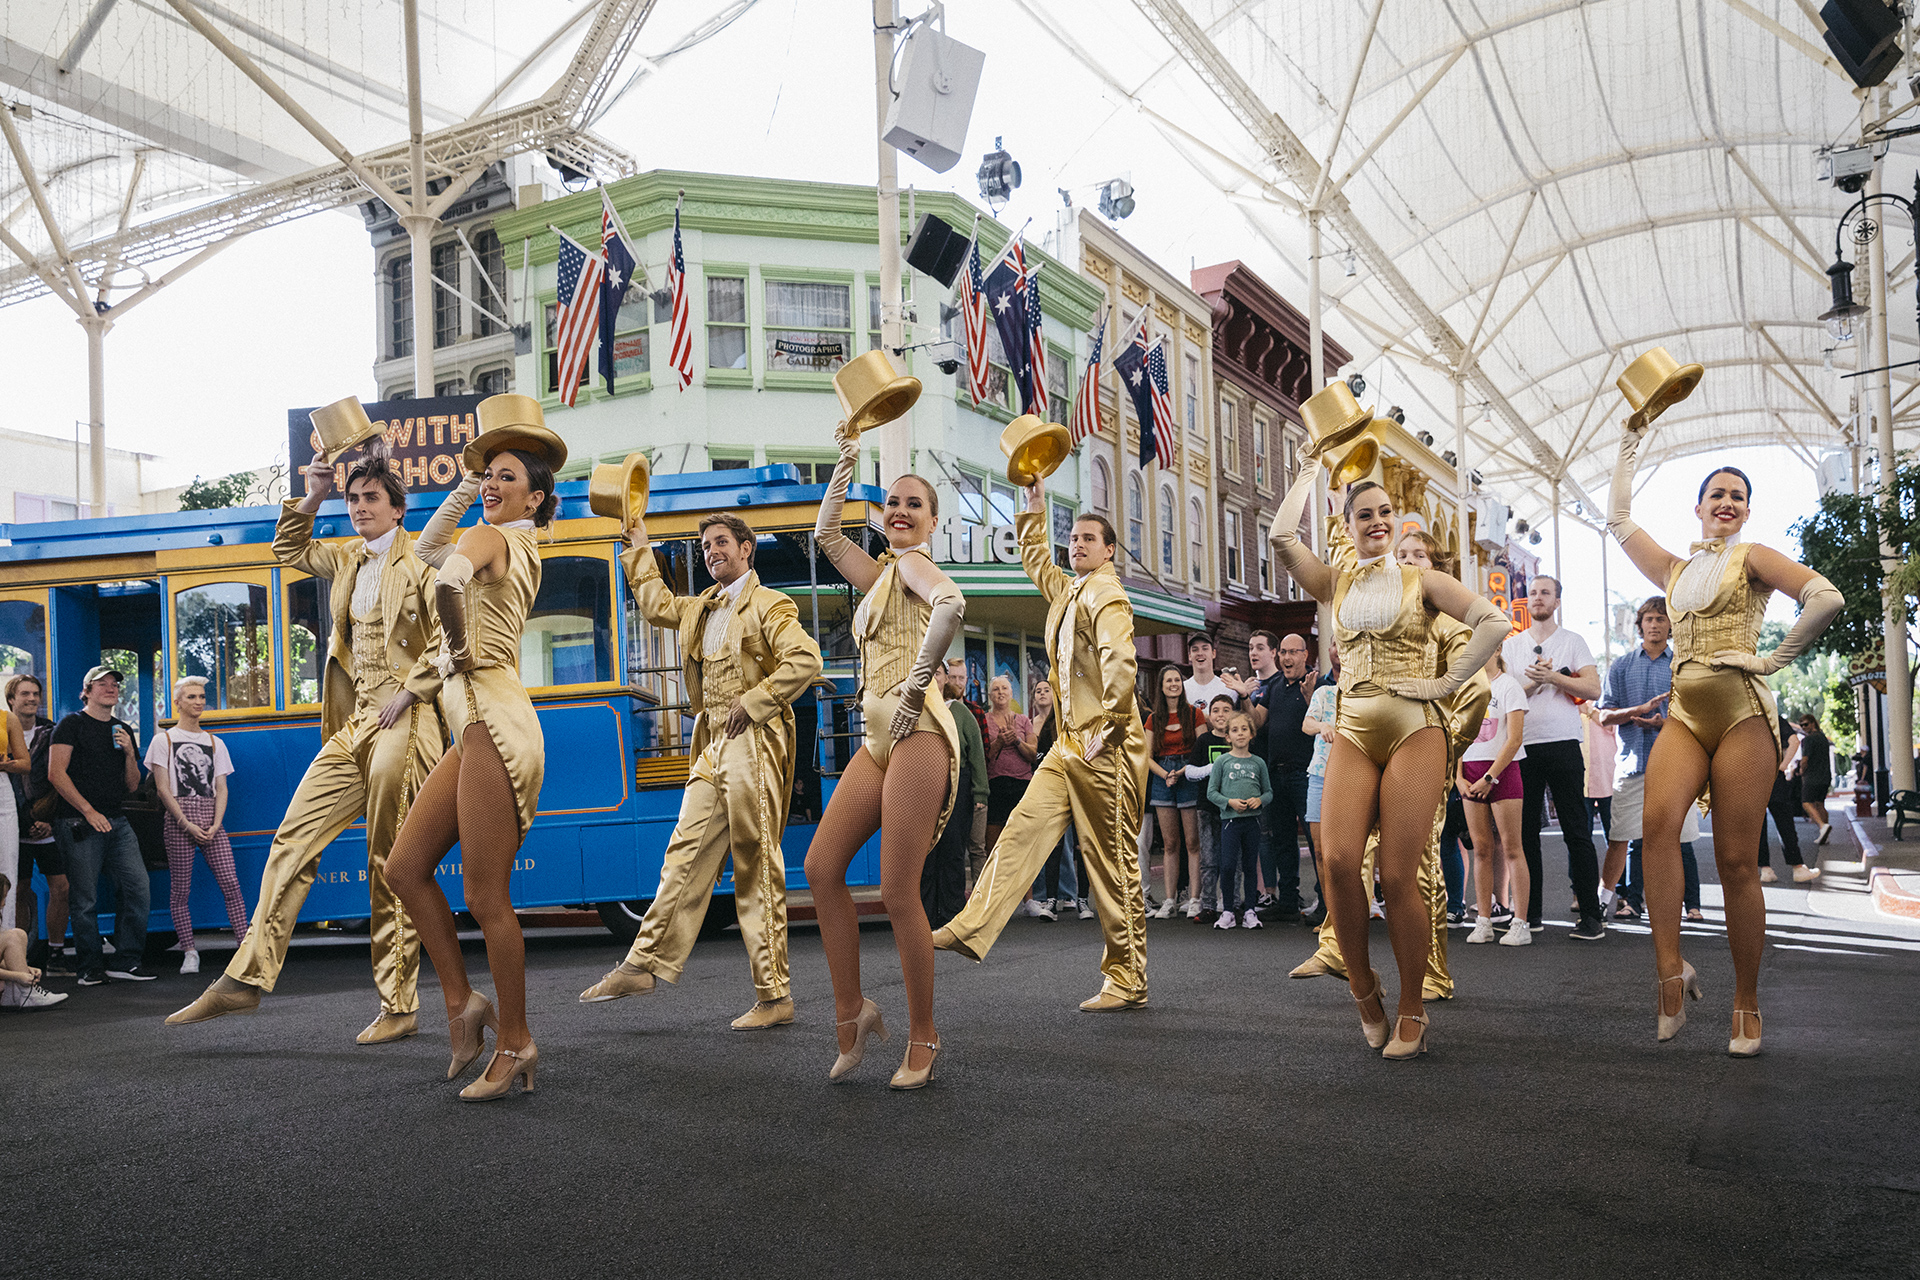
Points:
190	768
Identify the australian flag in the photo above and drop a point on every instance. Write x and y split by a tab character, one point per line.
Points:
1007	299
1143	369
617	249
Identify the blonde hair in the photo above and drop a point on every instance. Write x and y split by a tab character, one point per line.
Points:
180	685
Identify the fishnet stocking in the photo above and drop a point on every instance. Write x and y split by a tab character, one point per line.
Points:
911	793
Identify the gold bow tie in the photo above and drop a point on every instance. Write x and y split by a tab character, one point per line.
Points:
1715	545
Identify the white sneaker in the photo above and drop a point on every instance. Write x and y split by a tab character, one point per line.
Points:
1164	912
1250	920
1226	921
1086	911
190	963
1802	875
1482	931
1826	829
1376	912
38	997
1767	876
106	946
1192	909
1518	935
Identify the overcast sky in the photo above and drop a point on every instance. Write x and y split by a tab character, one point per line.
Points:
204	373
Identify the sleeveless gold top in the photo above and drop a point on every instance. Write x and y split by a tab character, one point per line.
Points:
1729	618
491	694
1381	621
889	627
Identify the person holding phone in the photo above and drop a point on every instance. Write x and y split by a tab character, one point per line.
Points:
94	766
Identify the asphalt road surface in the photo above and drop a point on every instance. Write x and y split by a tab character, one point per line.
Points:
1238	1125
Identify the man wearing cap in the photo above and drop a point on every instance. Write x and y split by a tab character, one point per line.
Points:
94	766
1096	775
746	659
380	720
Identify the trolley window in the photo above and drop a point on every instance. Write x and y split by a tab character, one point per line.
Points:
308	611
23	637
569	634
223	631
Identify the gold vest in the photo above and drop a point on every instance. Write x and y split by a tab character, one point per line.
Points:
895	627
1731	620
721	682
370	670
1402	650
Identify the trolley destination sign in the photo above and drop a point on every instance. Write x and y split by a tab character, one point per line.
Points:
426	437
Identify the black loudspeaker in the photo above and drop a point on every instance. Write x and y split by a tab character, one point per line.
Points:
1865	36
936	249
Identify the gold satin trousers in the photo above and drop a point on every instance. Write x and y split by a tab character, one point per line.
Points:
1103	799
1433	887
361	771
733	803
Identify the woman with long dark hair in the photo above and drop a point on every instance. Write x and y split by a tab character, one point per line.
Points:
1719	730
483	792
1172	726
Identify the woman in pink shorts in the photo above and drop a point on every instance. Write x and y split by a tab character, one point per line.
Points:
1489	782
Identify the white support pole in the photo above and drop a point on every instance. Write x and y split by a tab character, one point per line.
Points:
1606	603
1317	378
1555	498
419	223
96	327
1469	563
1899	738
896	437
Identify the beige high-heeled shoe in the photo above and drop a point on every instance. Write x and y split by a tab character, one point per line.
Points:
468	1032
525	1062
905	1077
1375	1032
1745	1046
1668	1026
865	1024
1399	1050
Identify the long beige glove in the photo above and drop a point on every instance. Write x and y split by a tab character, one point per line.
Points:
1284	533
1620	498
1820	603
949	608
1490	628
443	530
827	534
450	603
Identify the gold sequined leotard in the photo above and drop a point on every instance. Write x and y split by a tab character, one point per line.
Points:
491	694
889	626
1386	633
1715	606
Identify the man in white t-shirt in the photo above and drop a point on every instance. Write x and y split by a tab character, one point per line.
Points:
1556	669
1204	685
190	769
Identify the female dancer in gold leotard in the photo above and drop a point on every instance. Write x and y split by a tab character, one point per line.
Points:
1720	723
910	614
1389	757
484	791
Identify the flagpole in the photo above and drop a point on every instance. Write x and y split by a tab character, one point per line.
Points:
1005	249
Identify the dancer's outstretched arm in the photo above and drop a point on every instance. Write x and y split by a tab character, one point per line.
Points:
1305	567
1647	555
854	564
438	538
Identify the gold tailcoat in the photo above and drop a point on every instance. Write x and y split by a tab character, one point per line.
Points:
362	771
739	788
1102	798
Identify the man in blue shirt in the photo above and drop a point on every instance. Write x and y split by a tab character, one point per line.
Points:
1635	703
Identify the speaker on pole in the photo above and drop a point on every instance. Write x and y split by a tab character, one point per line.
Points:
936	249
1865	36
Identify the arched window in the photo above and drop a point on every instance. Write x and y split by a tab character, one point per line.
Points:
1167	528
1136	524
1102	481
1197	550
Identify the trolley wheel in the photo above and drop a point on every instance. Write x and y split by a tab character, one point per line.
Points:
623	918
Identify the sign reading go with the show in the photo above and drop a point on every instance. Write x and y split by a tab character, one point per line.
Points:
426	437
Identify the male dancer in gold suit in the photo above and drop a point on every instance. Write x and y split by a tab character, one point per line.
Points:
1096	775
746	659
380	717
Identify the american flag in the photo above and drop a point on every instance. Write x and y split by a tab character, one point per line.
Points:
1086	409
579	318
616	248
973	307
1143	370
1037	344
680	334
1162	406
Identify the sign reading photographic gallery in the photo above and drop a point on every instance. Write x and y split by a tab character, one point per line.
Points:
426	437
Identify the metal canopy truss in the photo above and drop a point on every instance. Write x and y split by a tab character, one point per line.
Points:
1534	192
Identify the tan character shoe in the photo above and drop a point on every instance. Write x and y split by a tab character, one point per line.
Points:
214	1002
389	1027
621	980
944	940
765	1013
1110	1002
1312	967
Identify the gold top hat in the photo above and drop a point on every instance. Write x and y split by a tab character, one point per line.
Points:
1655	383
341	426
1034	449
1332	417
1361	462
619	489
513	422
871	393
